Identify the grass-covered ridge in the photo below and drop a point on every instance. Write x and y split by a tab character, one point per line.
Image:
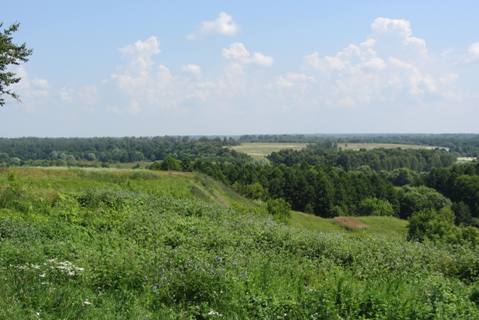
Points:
128	244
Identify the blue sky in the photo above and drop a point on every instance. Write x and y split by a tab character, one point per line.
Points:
111	68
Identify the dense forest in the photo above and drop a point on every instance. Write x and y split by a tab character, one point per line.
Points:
327	154
333	190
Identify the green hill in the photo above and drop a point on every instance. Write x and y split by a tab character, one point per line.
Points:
137	244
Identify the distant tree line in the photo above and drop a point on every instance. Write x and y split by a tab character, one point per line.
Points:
327	154
463	144
57	151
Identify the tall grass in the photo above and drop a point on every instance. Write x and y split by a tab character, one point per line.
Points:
98	251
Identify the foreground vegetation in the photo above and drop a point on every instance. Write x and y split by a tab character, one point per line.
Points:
134	244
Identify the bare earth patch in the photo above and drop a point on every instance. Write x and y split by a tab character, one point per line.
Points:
350	223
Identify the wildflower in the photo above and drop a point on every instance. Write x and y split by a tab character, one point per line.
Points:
214	313
66	267
155	287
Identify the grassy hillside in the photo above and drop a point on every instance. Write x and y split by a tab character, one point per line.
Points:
375	226
127	244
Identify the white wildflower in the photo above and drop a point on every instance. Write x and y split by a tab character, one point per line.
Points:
214	313
67	267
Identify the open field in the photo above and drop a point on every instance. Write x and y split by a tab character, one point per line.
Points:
313	223
389	227
466	159
139	244
369	146
259	150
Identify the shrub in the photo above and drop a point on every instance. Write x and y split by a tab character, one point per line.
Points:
375	207
433	225
170	163
462	213
279	209
94	199
413	199
155	166
253	191
474	296
24	200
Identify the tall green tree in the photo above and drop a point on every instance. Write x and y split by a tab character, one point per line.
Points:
11	54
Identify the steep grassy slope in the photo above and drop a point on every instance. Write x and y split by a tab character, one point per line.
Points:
176	184
125	244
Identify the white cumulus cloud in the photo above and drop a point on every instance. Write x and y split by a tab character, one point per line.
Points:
237	52
141	78
223	25
474	51
142	51
390	65
32	91
292	79
401	30
193	69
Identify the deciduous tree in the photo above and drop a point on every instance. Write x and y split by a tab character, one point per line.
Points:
11	54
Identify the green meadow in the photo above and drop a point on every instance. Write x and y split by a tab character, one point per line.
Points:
138	244
260	150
